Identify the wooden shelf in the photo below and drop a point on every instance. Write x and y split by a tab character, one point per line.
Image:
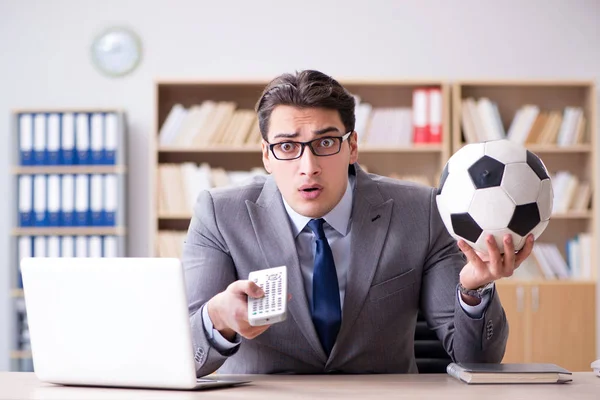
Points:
175	216
69	169
573	215
20	354
69	231
552	149
16	293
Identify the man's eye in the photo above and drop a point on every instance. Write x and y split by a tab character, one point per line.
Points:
328	142
287	147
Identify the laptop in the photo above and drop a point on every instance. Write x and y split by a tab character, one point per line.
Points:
112	322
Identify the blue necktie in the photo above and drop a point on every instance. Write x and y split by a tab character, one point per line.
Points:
326	309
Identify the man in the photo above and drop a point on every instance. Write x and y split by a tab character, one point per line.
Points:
383	255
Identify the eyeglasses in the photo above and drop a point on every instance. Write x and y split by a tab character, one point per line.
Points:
321	147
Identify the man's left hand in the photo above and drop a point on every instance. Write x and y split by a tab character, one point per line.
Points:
482	269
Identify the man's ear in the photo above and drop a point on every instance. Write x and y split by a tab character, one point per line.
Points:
353	141
265	156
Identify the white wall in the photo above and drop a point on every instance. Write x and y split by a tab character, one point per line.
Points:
45	62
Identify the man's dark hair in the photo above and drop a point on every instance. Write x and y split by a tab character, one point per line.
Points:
305	89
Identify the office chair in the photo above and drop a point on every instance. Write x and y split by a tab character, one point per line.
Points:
429	352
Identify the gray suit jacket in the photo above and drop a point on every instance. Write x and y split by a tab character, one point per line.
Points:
402	260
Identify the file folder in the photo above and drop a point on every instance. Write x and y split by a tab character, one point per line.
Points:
82	197
26	200
111	131
39	139
26	139
97	200
67	139
82	138
53	140
67	204
40	200
67	246
53	200
97	139
110	200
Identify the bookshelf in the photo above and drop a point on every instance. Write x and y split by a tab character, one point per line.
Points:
69	184
551	320
395	155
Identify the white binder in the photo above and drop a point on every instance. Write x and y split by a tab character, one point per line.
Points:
39	200
67	139
82	200
39	139
67	204
97	199
81	246
26	139
53	140
82	138
53	246
26	217
67	246
110	199
95	246
53	200
110	247
39	246
97	138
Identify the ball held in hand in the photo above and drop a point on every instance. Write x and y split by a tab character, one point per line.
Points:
495	187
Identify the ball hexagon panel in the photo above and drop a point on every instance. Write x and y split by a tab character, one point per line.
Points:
491	208
465	157
457	192
505	151
545	199
520	183
537	165
486	172
465	226
525	218
481	244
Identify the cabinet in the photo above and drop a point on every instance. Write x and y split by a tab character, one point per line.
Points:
550	322
67	198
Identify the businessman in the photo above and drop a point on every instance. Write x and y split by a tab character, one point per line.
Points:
364	254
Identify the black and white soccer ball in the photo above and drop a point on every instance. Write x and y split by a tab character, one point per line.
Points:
495	187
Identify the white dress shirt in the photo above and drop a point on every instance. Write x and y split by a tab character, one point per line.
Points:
337	229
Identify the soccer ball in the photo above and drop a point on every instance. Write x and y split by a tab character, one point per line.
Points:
495	187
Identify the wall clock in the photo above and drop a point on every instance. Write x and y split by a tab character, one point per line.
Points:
116	51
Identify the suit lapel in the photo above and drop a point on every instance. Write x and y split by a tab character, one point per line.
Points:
370	222
271	227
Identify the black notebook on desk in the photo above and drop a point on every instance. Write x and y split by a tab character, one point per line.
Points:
474	373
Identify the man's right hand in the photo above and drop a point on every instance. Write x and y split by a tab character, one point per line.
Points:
228	310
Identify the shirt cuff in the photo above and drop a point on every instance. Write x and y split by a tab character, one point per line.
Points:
477	311
214	336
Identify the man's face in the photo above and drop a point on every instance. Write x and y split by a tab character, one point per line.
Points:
311	185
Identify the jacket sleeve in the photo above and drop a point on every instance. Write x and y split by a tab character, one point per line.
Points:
208	269
466	339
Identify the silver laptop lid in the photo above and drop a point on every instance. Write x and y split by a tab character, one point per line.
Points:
109	321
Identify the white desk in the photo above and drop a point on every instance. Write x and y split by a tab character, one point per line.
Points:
24	385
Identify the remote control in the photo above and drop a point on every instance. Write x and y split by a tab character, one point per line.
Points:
272	307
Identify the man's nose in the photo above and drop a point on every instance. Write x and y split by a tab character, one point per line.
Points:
309	163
